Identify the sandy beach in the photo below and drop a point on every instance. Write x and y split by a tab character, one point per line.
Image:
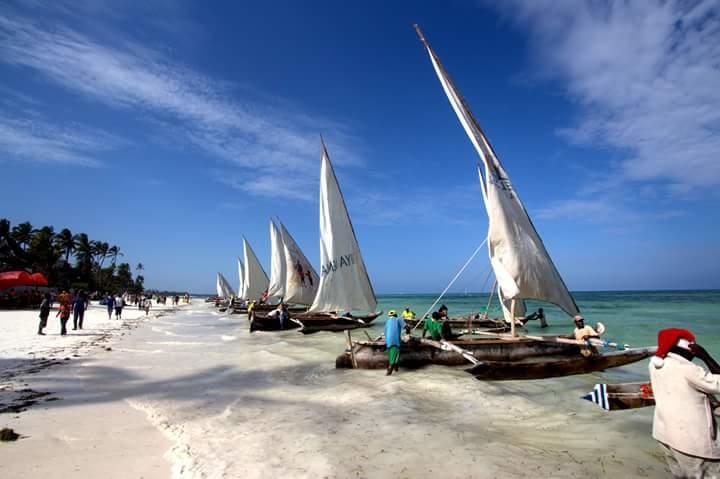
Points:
193	394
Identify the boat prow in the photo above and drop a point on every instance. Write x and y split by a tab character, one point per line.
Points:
548	367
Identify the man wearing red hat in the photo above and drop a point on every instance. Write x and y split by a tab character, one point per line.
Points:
684	423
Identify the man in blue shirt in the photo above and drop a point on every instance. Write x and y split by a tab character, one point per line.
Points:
393	330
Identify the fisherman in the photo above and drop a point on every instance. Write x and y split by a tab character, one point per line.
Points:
684	425
539	315
582	332
393	331
250	308
433	326
281	313
408	313
445	328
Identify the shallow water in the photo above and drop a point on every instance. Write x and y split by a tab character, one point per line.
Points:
272	404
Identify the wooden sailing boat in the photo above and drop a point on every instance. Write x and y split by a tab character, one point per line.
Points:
523	270
224	291
344	286
292	279
255	280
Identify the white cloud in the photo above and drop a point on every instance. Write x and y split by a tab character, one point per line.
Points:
195	108
37	141
645	77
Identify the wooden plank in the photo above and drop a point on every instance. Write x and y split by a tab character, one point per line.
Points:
445	346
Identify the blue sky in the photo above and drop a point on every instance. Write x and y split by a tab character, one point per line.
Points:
174	128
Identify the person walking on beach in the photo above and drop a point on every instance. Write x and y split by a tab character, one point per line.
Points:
64	313
393	332
44	313
119	303
148	303
684	424
110	304
78	306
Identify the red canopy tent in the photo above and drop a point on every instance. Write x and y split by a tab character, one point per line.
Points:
39	279
13	279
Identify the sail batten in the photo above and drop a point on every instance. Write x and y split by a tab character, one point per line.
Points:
256	280
278	267
301	279
521	263
344	282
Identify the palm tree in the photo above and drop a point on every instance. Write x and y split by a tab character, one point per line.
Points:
42	251
100	250
65	242
22	234
139	267
4	228
83	254
114	252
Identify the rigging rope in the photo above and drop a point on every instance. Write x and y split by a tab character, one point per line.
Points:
452	281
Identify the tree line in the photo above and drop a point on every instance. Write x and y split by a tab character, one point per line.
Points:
67	260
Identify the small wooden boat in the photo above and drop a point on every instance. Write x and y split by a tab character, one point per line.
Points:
314	322
617	397
622	396
266	308
552	366
311	322
263	322
416	353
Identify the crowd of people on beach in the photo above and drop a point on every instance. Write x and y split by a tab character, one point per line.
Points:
75	303
21	298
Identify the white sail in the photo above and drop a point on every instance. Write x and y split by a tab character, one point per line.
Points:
301	279
278	267
519	259
223	287
241	274
255	280
344	282
218	286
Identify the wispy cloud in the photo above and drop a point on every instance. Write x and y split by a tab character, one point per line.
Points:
254	141
644	76
37	141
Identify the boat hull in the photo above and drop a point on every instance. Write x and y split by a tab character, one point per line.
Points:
263	322
415	354
266	308
316	322
459	323
551	366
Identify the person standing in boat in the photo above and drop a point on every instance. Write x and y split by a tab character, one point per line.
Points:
582	332
684	424
393	332
408	313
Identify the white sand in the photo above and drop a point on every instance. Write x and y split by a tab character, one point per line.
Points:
232	404
74	434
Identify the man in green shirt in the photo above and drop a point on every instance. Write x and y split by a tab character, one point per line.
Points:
433	326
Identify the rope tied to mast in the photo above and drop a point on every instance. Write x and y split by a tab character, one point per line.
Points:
452	281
